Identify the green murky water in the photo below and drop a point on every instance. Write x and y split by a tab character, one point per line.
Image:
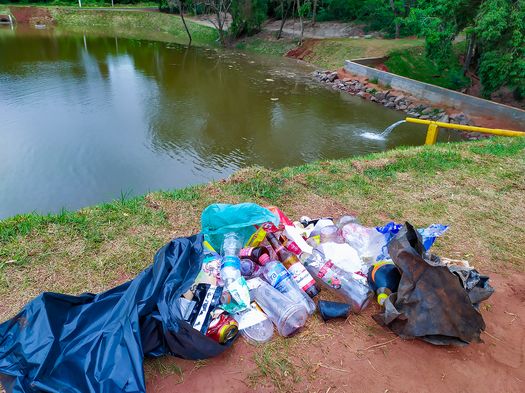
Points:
85	119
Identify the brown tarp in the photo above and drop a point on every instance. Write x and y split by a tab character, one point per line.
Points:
431	302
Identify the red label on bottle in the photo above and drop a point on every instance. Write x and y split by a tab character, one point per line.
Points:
301	276
245	252
293	247
269	227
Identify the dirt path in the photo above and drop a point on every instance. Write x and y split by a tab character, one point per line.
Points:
358	355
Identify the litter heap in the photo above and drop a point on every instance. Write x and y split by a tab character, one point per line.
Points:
251	270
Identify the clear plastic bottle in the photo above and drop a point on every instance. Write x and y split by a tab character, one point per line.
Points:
287	315
342	282
278	277
231	264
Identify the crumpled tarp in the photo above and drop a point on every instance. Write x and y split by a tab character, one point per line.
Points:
96	343
431	302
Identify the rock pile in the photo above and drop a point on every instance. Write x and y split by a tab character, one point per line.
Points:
394	100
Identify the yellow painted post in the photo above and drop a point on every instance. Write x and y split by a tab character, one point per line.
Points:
432	134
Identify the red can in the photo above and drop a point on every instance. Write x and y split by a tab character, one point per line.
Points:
223	328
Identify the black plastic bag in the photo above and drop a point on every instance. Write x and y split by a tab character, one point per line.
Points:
431	302
96	343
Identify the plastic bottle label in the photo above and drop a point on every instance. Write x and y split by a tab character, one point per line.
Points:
231	261
277	275
328	275
301	276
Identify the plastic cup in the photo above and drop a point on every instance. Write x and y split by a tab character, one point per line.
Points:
287	316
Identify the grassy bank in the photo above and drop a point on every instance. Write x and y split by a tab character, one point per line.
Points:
412	63
136	23
477	188
331	53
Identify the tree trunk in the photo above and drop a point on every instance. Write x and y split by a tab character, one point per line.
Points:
314	13
283	19
394	10
300	21
220	26
181	11
470	52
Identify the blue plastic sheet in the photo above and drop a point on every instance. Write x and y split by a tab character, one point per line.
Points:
96	343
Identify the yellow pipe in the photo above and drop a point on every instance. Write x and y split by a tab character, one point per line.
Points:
484	130
432	134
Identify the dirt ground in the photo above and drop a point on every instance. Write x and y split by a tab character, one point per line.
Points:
357	355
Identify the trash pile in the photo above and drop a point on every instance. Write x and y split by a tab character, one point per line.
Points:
263	270
251	271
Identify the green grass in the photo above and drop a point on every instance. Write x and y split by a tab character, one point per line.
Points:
136	24
412	63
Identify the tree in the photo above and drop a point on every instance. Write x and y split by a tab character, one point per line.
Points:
247	16
285	8
500	32
220	10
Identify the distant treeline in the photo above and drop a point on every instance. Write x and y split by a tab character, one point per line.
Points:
494	30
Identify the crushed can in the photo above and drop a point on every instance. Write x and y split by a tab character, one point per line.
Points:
223	328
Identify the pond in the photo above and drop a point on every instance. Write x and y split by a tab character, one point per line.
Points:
86	119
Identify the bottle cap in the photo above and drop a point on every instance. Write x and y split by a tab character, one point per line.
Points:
381	298
263	259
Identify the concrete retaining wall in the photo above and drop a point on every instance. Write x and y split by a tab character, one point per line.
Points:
440	96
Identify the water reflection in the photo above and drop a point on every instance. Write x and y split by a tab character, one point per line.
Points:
87	117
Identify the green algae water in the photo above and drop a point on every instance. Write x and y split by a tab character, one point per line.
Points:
86	119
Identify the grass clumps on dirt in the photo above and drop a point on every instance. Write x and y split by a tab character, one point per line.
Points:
274	364
266	45
475	187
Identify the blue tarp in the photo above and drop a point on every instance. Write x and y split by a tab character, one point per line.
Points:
96	343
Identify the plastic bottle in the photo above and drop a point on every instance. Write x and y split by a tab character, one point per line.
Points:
295	267
278	277
287	316
384	279
231	264
259	255
342	282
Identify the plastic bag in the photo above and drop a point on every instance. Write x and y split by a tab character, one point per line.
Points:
220	218
96	343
